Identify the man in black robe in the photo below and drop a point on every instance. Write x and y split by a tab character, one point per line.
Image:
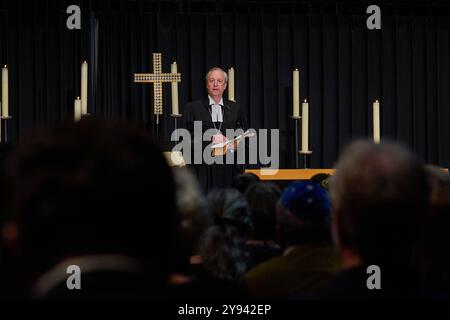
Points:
219	114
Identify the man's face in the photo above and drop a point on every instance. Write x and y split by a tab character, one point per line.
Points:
216	84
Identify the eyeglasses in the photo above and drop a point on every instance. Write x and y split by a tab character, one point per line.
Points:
220	82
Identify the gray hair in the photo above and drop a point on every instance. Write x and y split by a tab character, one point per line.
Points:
380	195
372	171
191	204
219	69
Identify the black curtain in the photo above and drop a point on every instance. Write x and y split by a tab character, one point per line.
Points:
343	66
44	63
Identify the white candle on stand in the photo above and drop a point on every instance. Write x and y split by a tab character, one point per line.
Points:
77	110
231	96
5	111
305	126
296	93
84	87
376	121
175	109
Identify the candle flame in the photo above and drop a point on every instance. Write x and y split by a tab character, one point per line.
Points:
376	101
78	98
305	101
5	66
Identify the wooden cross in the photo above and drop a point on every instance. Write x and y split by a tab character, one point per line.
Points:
157	78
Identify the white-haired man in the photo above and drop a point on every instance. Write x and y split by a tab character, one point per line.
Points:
218	114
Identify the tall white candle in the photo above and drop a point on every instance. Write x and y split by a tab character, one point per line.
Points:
376	121
84	87
175	109
231	84
305	126
296	93
77	110
5	111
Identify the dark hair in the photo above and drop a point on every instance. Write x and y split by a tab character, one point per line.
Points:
262	198
243	180
295	231
222	248
93	187
321	179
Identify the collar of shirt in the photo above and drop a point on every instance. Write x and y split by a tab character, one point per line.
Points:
211	101
216	110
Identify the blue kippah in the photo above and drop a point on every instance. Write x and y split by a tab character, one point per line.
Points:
306	200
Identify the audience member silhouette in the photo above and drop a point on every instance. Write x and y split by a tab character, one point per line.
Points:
309	261
193	210
11	284
262	198
99	196
323	179
434	258
222	248
379	195
242	181
223	256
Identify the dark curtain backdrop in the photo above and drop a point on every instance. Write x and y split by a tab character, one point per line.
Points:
343	68
44	62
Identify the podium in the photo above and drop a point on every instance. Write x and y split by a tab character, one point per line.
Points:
288	174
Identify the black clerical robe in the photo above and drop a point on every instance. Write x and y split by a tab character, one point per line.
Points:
214	175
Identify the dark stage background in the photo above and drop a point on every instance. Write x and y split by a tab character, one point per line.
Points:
343	65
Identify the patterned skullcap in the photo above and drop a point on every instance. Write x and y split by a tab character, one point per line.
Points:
306	200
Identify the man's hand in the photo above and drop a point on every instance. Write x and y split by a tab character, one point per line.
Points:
219	138
234	145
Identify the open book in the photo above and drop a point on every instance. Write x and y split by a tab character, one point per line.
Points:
219	149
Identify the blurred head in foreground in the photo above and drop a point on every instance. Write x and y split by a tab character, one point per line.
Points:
93	189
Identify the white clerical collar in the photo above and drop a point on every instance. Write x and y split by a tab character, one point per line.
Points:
212	102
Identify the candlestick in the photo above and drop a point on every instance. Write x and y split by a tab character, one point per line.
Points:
296	139
305	126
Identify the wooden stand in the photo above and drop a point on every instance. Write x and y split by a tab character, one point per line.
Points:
296	136
175	118
5	125
306	158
